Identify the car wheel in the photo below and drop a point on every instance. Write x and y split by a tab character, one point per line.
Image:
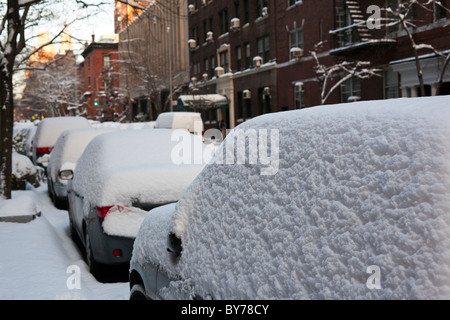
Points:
138	293
92	264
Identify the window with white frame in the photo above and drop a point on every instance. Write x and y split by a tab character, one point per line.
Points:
224	60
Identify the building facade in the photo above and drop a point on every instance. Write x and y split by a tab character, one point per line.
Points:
102	100
269	56
153	51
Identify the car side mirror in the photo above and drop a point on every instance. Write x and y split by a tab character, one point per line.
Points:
174	247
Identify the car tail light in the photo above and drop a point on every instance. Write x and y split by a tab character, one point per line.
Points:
44	150
103	211
117	253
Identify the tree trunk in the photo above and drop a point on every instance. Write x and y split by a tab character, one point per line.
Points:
7	98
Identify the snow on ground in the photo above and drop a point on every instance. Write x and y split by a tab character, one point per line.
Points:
39	260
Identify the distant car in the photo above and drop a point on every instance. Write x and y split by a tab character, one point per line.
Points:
47	134
118	178
68	148
190	121
346	201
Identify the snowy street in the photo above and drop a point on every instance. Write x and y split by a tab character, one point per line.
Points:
40	261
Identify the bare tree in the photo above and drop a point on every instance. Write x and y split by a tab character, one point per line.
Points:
332	77
15	17
402	15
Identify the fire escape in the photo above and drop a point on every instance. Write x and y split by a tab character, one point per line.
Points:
352	33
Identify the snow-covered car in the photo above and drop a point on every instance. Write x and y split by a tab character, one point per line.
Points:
68	148
118	178
47	134
356	206
190	121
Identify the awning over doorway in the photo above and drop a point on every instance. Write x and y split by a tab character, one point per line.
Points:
206	101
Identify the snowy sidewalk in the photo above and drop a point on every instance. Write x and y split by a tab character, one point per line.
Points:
39	260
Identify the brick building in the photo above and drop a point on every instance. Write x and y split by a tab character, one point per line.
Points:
101	80
258	53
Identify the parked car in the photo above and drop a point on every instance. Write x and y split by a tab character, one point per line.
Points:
190	121
68	148
356	205
47	134
118	178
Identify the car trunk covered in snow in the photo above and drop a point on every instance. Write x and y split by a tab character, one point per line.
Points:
126	171
358	209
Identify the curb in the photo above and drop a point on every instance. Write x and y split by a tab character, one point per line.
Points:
20	219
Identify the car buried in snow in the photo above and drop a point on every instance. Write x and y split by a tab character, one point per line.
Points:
47	133
68	148
357	206
117	179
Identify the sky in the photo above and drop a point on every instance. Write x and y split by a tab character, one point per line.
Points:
99	23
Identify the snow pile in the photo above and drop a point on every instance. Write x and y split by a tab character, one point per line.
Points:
190	121
21	205
134	166
359	185
123	221
22	166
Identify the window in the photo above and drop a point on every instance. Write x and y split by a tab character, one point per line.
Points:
246	12
206	65
439	10
223	15
296	39
238	58
247	55
299	94
237	9
224	61
195	33
261	5
390	84
351	88
106	61
264	48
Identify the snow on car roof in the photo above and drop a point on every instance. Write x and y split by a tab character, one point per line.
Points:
49	129
70	145
135	164
358	209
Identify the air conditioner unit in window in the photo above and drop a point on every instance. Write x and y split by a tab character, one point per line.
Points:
219	71
265	12
257	61
191	8
203	2
192	44
266	91
299	87
235	24
247	94
209	36
194	80
297	52
205	77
